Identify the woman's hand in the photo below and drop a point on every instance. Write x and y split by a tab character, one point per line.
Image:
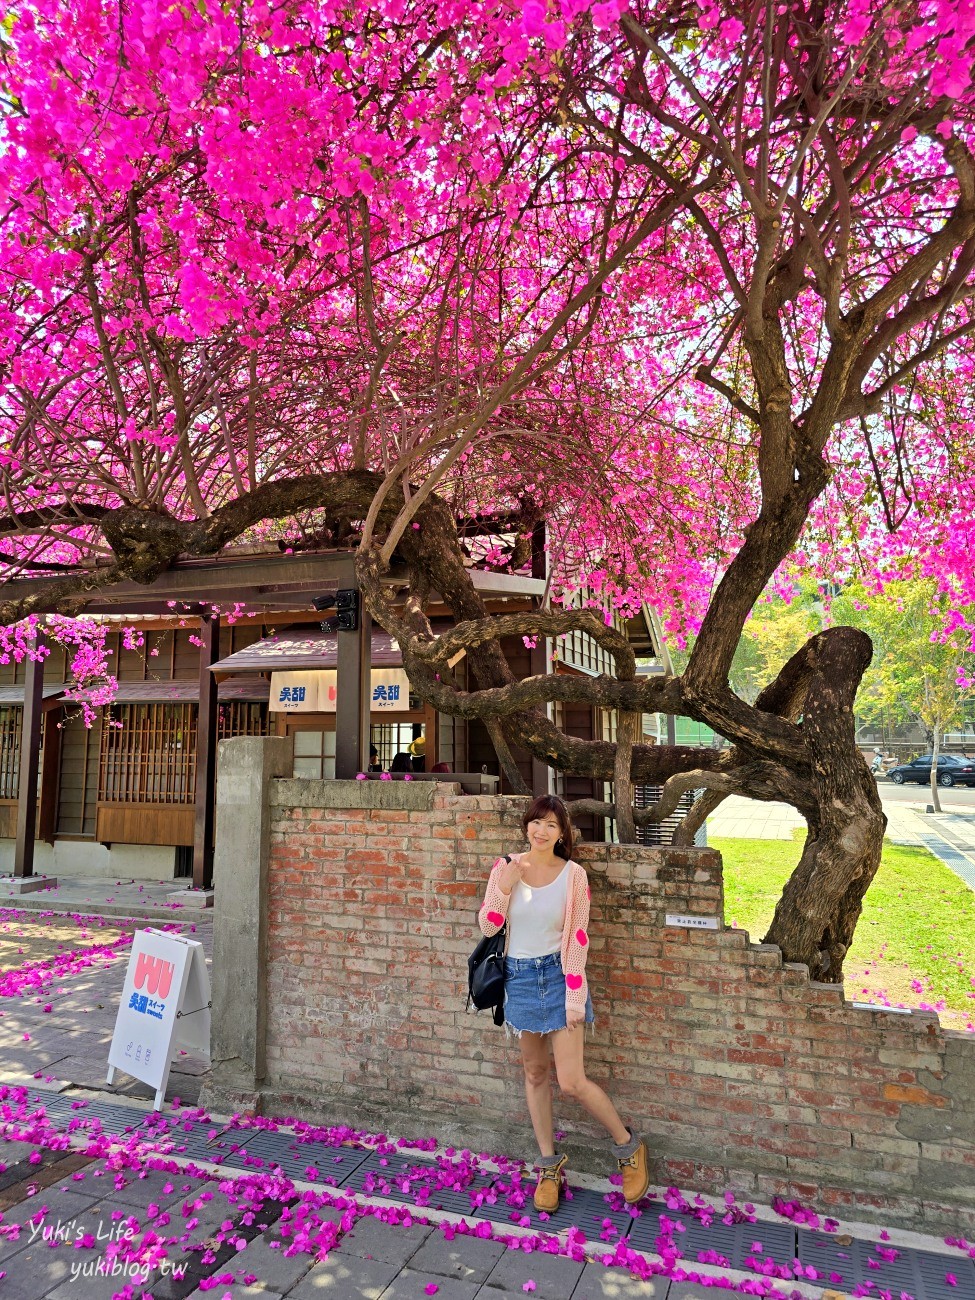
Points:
511	873
574	1017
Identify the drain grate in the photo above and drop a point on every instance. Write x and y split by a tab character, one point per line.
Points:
586	1210
933	1269
329	1165
733	1242
112	1117
914	1273
417	1182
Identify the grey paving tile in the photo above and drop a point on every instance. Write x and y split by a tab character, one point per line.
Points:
283	1229
200	1214
59	1205
275	1270
695	1291
138	1191
13	1238
345	1277
99	1286
235	1291
554	1276
469	1259
11	1153
601	1283
411	1285
373	1239
33	1272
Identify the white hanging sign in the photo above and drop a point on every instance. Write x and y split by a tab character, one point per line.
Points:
691	922
316	691
390	689
165	1005
304	692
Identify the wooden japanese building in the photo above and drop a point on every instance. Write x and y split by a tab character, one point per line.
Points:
132	794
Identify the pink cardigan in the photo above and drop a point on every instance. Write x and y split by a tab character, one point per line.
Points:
575	935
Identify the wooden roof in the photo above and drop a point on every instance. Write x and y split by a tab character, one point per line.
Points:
299	649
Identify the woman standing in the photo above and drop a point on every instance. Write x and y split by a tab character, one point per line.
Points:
544	897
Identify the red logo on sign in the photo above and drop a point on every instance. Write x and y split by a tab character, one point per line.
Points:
154	973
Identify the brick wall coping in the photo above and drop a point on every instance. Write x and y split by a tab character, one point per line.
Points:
408	796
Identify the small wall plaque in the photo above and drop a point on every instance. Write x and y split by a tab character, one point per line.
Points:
878	1006
692	922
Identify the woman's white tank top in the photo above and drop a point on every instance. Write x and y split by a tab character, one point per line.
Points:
536	917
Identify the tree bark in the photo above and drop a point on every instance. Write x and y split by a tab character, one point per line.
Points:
820	905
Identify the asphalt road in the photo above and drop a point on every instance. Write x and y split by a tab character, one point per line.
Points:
958	796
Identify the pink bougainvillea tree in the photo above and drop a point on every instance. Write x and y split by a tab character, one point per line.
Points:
691	282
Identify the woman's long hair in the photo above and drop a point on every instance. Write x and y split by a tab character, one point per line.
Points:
541	807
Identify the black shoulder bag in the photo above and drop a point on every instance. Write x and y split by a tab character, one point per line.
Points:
485	974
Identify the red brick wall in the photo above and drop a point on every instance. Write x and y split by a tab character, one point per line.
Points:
741	1072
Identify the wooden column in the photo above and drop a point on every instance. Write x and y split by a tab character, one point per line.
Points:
206	753
30	752
353	700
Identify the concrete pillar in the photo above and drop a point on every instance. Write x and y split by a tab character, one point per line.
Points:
240	876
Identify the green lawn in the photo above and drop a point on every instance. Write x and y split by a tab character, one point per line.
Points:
914	943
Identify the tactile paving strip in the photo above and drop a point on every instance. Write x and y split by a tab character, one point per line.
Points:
960	863
734	1242
914	1273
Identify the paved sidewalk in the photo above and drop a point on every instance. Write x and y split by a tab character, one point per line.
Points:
64	1029
750	819
251	1209
103	896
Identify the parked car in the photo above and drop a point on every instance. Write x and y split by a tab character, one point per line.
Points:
952	770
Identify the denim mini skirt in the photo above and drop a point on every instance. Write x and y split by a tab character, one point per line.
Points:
534	995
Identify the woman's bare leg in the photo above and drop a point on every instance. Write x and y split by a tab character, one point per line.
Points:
537	1060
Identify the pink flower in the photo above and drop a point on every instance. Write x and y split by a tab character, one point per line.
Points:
528	1286
361	776
431	1288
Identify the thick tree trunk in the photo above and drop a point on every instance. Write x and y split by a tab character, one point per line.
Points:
819	908
627	733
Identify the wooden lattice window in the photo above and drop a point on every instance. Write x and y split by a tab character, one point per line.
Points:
151	757
242	718
10	722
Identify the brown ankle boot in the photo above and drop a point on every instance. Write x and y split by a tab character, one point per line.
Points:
636	1174
549	1186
